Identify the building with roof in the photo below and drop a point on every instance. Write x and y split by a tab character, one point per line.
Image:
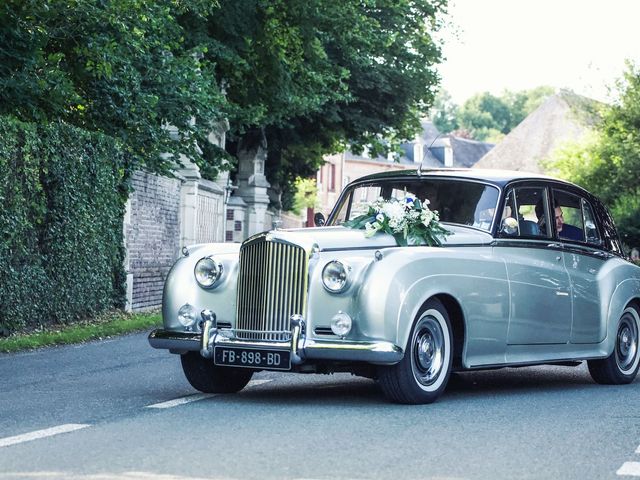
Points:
430	148
562	118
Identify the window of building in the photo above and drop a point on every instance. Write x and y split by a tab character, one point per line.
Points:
332	178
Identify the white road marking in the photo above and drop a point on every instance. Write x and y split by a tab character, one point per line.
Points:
182	400
630	468
47	432
198	396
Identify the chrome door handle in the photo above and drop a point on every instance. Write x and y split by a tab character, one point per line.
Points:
554	245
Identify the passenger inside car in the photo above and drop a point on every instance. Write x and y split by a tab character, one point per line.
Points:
565	230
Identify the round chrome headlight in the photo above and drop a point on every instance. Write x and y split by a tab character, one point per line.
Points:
335	276
207	272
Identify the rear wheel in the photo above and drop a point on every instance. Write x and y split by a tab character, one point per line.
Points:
207	377
422	375
622	365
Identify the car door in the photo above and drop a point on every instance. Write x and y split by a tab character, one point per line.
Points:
540	303
583	258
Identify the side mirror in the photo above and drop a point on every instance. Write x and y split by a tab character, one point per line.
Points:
319	219
509	226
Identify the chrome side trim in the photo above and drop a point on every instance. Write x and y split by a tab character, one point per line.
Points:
379	352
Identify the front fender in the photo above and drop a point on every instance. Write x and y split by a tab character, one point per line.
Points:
397	287
181	287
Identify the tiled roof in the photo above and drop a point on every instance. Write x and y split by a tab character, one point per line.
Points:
562	117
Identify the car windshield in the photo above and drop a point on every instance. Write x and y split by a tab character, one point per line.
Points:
457	201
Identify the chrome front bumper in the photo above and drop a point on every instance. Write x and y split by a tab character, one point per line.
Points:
302	348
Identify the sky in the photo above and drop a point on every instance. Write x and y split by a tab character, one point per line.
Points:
497	45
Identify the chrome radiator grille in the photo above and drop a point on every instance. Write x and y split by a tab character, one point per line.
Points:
272	285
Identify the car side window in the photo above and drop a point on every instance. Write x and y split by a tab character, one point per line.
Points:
526	206
574	218
569	216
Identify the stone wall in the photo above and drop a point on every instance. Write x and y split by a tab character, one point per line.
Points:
165	214
152	237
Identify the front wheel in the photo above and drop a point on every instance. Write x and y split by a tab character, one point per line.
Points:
622	365
207	377
422	375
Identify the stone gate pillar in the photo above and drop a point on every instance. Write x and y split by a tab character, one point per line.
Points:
252	182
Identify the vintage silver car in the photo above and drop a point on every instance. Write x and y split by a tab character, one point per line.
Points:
531	271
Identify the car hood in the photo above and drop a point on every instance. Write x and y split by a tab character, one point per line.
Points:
342	238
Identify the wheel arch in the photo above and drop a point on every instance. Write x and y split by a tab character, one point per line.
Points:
626	294
458	327
413	305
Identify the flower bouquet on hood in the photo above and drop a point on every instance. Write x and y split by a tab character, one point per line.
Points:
408	219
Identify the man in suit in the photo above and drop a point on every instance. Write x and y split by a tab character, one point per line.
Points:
570	232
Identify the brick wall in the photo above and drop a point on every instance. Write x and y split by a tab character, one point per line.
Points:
152	236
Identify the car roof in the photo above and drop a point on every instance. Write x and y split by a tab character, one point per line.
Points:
496	177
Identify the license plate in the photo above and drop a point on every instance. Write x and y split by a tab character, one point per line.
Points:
253	358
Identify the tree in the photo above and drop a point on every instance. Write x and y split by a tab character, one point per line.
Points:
119	67
609	163
487	117
306	195
444	113
315	75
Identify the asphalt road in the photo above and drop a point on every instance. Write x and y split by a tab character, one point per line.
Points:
120	410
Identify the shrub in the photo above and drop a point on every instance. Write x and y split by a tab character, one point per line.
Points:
63	192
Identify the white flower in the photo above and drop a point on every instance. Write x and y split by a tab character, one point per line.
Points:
394	211
380	217
371	228
426	216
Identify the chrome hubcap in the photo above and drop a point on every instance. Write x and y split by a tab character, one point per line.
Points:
428	350
627	342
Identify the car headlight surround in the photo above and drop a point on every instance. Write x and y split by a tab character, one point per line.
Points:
208	272
336	276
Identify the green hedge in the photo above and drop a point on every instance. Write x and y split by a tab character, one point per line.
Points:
62	192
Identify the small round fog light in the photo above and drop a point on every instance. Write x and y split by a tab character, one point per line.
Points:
341	324
187	315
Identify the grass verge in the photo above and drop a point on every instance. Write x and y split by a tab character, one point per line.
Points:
107	325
